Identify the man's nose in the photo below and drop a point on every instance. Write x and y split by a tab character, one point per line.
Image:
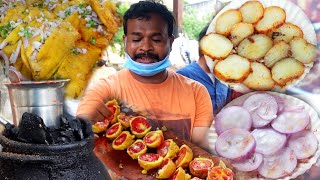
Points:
146	45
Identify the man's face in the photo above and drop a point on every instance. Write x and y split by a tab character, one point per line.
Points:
147	40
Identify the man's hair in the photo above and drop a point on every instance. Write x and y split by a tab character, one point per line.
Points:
203	32
143	9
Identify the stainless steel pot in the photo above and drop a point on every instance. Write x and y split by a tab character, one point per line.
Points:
44	98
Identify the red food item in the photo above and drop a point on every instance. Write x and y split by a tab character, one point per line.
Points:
166	169
137	148
153	139
115	110
99	127
149	161
139	126
168	149
220	172
199	167
180	174
114	131
184	156
124	119
123	141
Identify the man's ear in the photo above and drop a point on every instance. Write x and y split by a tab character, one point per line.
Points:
171	39
124	39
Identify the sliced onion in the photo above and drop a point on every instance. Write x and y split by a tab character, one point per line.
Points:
279	165
258	122
268	141
6	62
235	144
15	54
281	103
25	43
232	117
290	122
249	164
3	44
303	143
263	108
294	108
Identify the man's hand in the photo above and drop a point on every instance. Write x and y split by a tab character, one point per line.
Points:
100	114
199	137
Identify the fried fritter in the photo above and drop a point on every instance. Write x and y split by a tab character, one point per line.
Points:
215	46
232	69
252	11
273	17
302	50
226	20
259	78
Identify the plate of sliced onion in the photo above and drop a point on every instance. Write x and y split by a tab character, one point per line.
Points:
267	135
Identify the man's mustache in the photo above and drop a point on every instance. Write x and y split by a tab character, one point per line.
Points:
147	55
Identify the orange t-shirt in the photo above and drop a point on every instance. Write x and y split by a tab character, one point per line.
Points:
178	103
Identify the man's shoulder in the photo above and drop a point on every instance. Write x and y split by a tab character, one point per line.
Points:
185	80
189	68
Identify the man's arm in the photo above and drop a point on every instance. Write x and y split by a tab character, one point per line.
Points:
92	105
199	137
203	117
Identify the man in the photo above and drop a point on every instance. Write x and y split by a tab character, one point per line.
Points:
220	94
146	85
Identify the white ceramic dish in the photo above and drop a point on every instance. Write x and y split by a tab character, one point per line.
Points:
294	14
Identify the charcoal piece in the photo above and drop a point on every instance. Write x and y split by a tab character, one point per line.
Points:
63	140
10	131
76	127
64	123
33	130
87	127
68	134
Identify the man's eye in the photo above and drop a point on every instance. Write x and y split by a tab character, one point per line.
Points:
156	40
135	40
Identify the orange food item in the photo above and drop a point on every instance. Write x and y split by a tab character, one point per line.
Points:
139	126
166	169
168	149
220	172
123	141
154	138
149	161
184	156
180	174
114	131
124	119
200	166
115	110
137	148
99	127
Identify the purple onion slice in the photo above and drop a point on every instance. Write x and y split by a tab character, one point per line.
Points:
268	141
232	117
279	165
249	164
303	143
290	122
235	144
263	108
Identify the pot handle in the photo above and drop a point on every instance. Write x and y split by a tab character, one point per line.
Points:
25	157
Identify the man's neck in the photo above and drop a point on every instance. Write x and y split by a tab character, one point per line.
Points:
155	79
203	64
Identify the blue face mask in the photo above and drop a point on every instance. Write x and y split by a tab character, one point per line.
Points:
146	69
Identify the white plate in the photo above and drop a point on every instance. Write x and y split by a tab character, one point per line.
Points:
294	14
315	128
